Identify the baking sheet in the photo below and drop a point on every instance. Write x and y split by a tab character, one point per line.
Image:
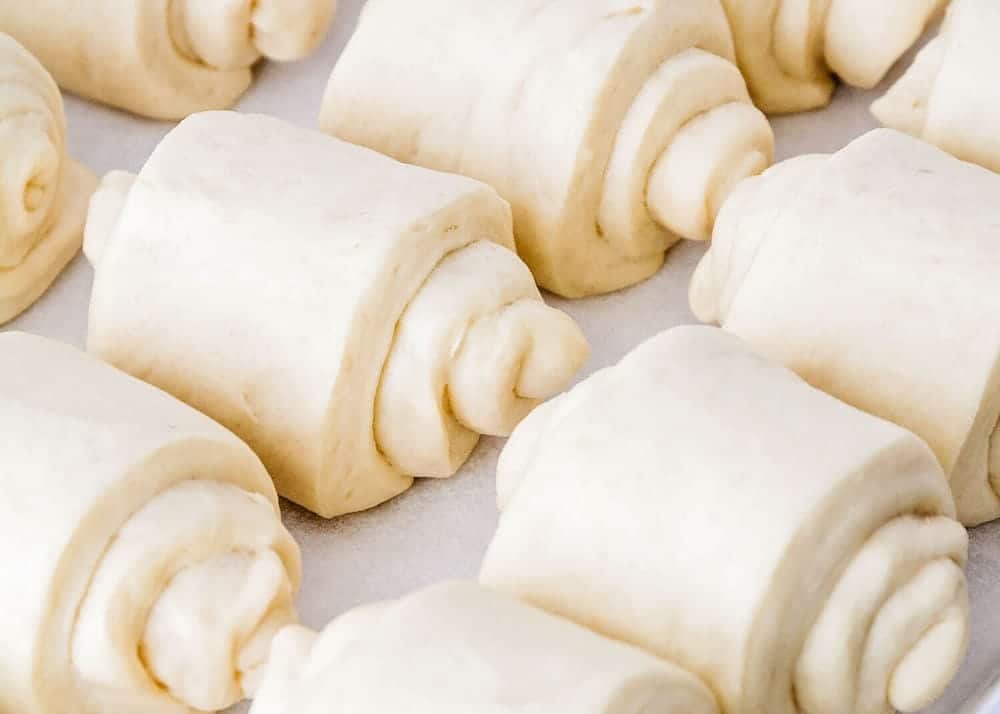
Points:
440	529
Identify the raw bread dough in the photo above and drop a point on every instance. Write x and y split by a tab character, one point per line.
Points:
613	127
706	504
950	96
164	58
356	320
789	49
872	273
43	194
145	565
458	647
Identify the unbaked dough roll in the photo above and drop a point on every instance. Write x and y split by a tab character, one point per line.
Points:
43	194
458	647
872	274
164	58
145	565
788	49
950	96
356	320
706	504
613	128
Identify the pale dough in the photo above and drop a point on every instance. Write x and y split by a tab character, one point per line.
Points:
708	505
164	58
356	320
456	648
145	565
872	273
614	128
43	193
950	96
789	50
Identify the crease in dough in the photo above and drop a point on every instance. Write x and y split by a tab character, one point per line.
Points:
707	505
164	59
871	273
613	128
790	50
949	96
147	565
458	647
43	193
357	321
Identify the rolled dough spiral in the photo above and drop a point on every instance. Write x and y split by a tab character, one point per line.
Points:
145	563
458	647
706	504
950	97
43	193
164	58
614	128
789	49
356	320
871	273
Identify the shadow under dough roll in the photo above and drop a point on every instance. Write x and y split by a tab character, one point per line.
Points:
458	647
43	193
872	273
789	50
709	506
356	320
614	129
950	97
164	59
145	564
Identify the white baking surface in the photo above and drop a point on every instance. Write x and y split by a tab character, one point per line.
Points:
440	529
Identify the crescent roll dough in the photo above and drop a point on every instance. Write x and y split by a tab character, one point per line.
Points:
457	648
788	49
950	96
613	127
43	194
872	274
145	565
357	321
709	506
164	58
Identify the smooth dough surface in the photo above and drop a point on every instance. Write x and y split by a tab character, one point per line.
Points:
790	50
614	128
43	193
458	647
709	506
950	96
872	274
145	565
356	320
164	58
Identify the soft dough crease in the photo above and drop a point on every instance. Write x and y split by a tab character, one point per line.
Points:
356	320
145	540
164	59
613	128
709	506
871	273
43	193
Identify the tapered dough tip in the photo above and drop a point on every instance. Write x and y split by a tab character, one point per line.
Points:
558	352
106	206
286	31
929	667
29	176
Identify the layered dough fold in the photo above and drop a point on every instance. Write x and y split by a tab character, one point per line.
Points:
871	273
789	49
613	128
709	506
457	647
164	58
949	96
43	193
146	565
356	320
